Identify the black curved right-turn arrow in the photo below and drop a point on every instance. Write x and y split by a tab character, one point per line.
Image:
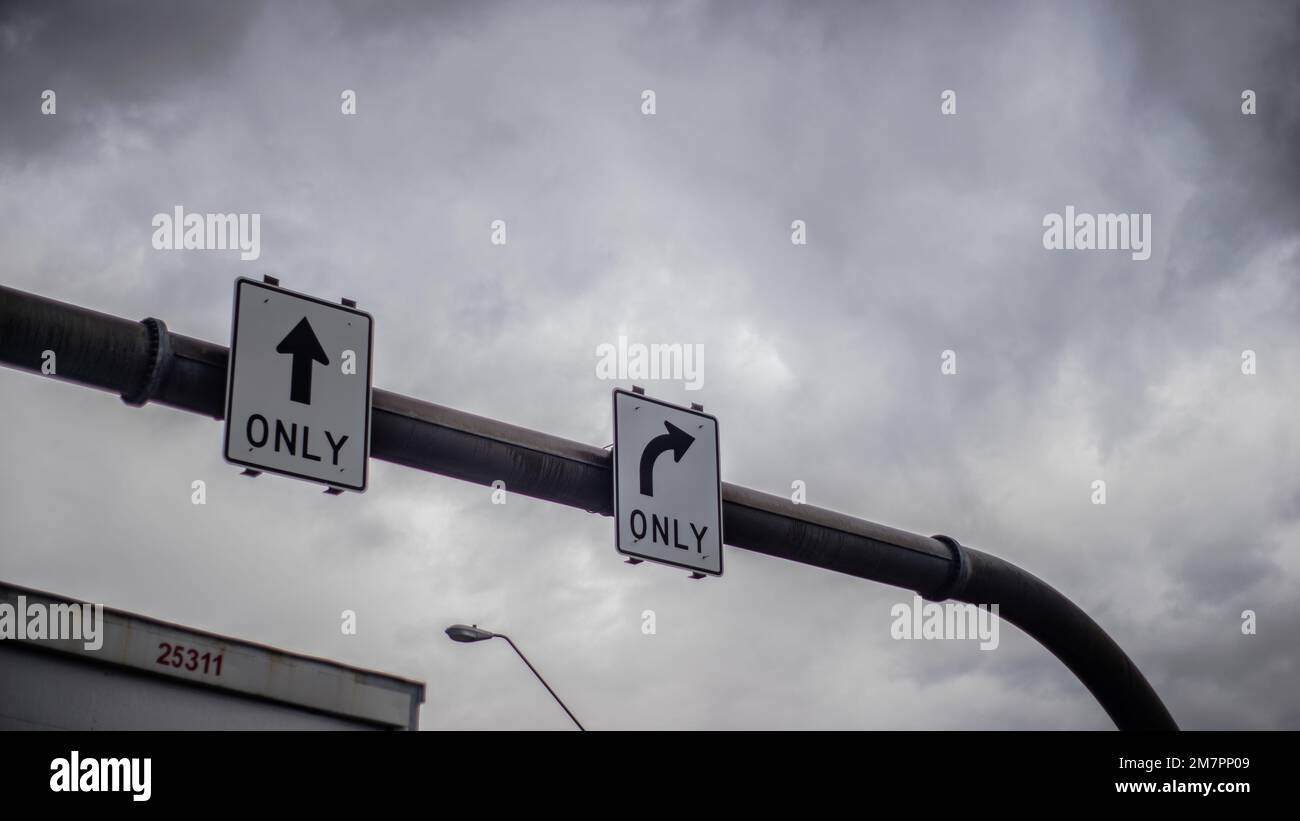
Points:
676	440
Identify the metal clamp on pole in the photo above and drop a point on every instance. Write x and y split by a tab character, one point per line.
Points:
958	576
158	361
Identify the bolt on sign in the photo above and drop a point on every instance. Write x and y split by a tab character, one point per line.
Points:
667	484
298	386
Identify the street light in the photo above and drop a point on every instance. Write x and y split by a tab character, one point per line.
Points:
467	633
460	632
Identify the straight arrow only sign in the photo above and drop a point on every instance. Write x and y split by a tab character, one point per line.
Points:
298	393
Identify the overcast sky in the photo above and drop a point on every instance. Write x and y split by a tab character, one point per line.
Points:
822	361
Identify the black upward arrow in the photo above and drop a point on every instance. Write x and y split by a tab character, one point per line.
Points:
301	343
676	440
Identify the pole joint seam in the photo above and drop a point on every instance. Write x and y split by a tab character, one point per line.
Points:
958	575
158	360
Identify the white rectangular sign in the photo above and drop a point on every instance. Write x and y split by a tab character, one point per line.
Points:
298	386
667	483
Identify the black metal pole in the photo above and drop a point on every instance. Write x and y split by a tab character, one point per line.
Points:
145	362
542	680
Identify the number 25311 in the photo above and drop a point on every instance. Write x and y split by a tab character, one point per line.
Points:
188	658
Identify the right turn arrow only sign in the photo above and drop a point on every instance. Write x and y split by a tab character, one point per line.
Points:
667	483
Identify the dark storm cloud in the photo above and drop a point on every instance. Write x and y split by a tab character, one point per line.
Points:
101	56
1191	64
414	18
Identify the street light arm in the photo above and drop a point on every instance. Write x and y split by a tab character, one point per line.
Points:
542	680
